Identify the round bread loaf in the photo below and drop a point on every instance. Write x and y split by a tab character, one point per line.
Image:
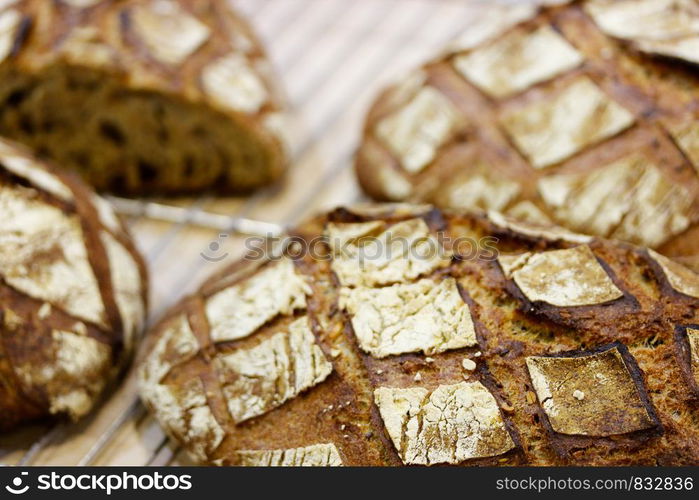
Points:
583	114
72	292
141	96
406	335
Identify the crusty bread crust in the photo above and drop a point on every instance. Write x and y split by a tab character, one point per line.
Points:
73	292
142	96
618	372
460	132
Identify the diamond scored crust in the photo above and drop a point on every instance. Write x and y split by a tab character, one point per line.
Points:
233	84
563	278
629	199
184	412
681	278
551	130
264	377
253	380
427	425
424	316
316	455
238	311
371	254
664	27
610	404
450	424
170	33
416	131
514	63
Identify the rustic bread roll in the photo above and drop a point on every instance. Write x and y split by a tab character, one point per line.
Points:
568	116
473	341
141	96
72	292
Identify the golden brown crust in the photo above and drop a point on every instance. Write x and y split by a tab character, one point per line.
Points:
167	96
379	403
550	120
73	292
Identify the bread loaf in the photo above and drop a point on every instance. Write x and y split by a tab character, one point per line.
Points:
141	96
72	292
576	115
414	336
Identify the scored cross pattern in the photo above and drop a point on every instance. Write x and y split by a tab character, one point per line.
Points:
552	120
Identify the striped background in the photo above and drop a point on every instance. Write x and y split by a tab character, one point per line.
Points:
333	56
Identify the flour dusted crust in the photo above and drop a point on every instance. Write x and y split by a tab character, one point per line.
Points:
186	415
419	129
687	138
256	380
405	251
72	292
629	199
76	377
238	311
423	317
530	350
664	27
156	96
680	278
551	130
569	115
524	64
315	455
570	277
451	424
43	254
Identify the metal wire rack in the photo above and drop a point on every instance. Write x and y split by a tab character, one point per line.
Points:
333	56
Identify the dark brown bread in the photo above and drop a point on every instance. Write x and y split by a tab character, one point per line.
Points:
575	115
515	344
72	292
141	96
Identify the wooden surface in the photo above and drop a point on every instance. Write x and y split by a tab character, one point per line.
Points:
332	56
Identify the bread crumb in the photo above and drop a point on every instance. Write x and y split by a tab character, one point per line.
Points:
335	352
44	310
579	395
12	320
477	354
468	364
418	377
531	397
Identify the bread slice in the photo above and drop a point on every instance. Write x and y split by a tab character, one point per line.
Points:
73	292
407	335
575	115
142	96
